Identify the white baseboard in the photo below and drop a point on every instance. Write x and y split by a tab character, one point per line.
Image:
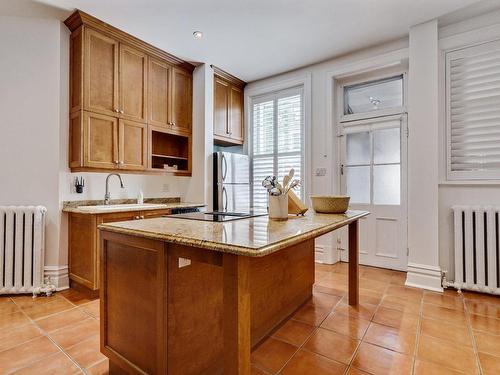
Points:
325	254
59	276
424	277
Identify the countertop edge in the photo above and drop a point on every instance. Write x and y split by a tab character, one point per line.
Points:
234	249
158	206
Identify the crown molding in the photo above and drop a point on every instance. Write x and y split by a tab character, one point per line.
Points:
79	18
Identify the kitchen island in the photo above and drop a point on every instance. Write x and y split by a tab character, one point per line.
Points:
193	297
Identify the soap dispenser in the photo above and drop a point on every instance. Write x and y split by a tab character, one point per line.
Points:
140	197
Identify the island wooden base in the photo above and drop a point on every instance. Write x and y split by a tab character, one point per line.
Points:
162	316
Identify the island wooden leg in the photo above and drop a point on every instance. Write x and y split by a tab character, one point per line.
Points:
353	263
236	318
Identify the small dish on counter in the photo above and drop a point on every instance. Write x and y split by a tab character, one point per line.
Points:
330	204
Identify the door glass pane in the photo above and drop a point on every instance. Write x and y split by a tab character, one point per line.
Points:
386	146
386	184
287	162
373	96
358	183
358	148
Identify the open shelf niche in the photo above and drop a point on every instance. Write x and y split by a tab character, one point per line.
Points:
170	149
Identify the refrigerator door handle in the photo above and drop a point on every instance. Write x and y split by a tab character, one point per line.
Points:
224	163
224	192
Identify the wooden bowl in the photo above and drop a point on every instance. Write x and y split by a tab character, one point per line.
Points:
330	204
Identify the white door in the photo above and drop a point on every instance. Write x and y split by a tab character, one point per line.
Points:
373	174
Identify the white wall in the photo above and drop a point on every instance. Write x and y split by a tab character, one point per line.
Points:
423	152
34	95
471	31
30	107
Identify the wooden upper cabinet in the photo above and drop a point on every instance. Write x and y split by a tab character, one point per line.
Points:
228	109
100	141
170	97
236	130
159	92
76	70
101	73
221	105
181	100
121	86
132	145
133	83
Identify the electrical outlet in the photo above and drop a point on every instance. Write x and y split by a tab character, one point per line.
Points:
166	188
320	172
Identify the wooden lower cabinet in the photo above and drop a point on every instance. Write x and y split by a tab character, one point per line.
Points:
84	244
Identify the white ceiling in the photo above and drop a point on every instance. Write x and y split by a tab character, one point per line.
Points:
253	39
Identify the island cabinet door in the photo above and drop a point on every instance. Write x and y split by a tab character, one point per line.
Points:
133	310
132	145
100	141
101	73
133	81
159	92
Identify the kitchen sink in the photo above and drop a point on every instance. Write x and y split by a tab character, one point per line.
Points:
121	207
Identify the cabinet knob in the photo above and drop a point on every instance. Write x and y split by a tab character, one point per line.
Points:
121	162
142	216
173	124
136	217
116	161
117	110
122	111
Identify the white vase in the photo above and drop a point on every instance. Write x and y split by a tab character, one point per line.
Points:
278	207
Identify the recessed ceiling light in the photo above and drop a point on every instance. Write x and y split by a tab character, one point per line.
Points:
197	34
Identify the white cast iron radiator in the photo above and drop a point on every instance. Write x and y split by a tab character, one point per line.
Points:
22	231
477	240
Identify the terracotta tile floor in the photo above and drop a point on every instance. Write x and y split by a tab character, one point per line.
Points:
396	330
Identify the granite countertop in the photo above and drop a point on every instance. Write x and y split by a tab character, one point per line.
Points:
254	237
125	205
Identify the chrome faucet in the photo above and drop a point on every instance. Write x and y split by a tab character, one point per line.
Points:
107	196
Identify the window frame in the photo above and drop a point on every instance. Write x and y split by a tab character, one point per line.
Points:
275	96
462	176
377	113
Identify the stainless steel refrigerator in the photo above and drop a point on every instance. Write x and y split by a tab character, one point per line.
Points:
231	182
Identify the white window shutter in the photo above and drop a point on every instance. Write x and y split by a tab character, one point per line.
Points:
473	85
277	139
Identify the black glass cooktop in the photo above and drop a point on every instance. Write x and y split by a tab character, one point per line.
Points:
217	216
